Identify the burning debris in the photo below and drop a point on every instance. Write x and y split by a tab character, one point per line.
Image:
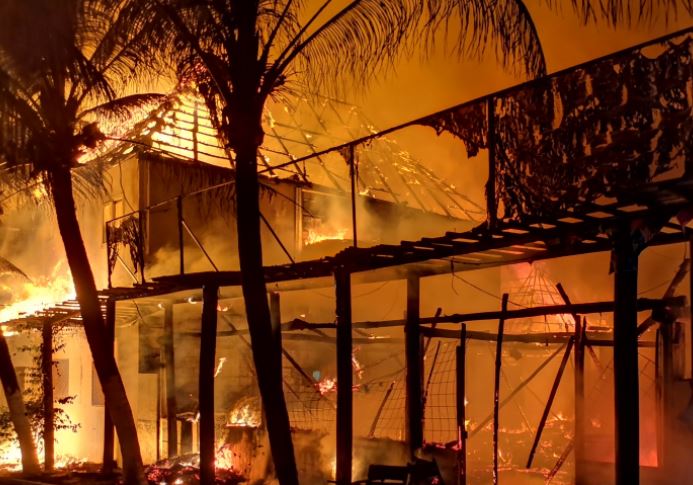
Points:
185	470
246	413
326	386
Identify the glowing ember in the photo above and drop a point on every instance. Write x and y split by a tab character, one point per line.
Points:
220	365
325	386
358	368
315	236
32	297
224	457
246	413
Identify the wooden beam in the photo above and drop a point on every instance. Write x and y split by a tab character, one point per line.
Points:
496	385
48	408
549	403
275	320
667	423
641	304
170	370
414	376
108	462
626	393
530	338
344	378
460	371
206	383
579	383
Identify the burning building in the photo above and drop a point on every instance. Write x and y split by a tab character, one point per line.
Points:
435	352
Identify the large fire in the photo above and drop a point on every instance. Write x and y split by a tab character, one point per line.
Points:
324	233
11	456
33	296
245	413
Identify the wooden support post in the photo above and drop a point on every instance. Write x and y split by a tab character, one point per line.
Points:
186	437
158	409
352	176
491	208
460	357
496	385
666	329
344	378
580	338
549	403
276	320
108	462
626	393
48	408
414	355
181	241
170	369
210	300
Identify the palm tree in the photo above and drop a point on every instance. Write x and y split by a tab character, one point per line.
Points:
60	66
240	52
13	392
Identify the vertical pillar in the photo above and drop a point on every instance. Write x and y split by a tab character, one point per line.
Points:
276	320
186	437
48	413
208	342
170	370
461	411
344	378
414	355
492	210
579	400
496	385
626	392
108	463
181	241
667	394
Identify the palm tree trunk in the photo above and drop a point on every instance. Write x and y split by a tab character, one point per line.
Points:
15	403
268	363
94	327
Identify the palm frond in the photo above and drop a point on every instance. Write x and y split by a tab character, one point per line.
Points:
125	106
6	267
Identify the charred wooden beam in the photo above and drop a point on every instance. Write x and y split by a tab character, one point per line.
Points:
108	462
460	368
344	378
275	320
48	409
626	393
579	439
414	376
667	423
206	383
595	339
496	385
170	370
641	304
549	403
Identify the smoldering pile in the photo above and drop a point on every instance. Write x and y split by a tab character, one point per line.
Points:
185	470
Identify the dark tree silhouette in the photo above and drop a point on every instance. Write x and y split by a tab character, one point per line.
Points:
60	68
